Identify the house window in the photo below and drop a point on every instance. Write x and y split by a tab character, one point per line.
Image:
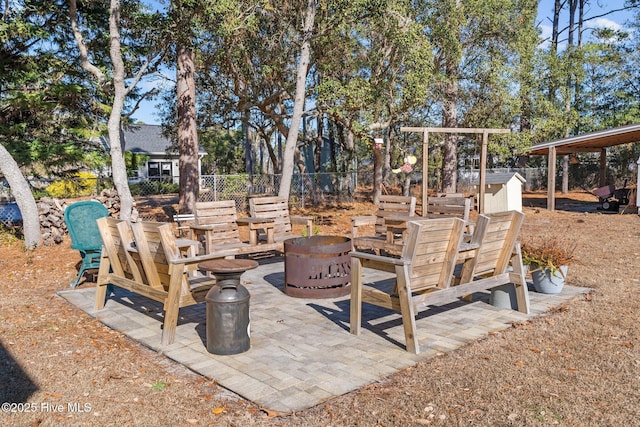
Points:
166	170
154	170
160	170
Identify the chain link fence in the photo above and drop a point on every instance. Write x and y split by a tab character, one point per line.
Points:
307	190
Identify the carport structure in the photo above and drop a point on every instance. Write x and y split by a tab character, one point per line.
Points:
592	142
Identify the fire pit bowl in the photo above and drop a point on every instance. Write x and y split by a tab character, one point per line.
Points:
317	267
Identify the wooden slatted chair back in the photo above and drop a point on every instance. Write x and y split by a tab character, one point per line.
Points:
449	206
393	205
152	254
497	246
220	217
114	248
431	247
273	207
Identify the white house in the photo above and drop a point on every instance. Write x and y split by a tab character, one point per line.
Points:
162	159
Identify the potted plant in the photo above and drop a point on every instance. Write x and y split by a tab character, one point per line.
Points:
548	258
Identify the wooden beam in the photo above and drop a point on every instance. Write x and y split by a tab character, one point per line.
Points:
551	180
483	156
483	171
453	130
425	170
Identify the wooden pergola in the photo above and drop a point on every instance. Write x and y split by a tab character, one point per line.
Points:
592	142
483	156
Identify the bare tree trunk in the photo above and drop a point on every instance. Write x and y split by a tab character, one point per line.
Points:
318	144
249	163
450	120
568	101
377	172
24	198
298	104
118	166
187	130
386	166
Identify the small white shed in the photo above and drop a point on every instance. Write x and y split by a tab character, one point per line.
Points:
503	192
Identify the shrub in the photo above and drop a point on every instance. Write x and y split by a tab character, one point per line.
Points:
83	184
549	252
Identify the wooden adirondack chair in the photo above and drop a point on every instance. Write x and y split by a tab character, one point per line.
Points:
80	218
152	265
217	225
389	205
277	208
424	271
499	249
427	262
450	205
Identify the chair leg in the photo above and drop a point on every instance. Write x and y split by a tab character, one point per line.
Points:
406	309
355	314
172	306
522	293
74	283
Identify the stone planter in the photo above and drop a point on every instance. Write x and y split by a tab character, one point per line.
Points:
546	282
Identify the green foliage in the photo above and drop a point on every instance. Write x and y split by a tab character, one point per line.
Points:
82	184
46	104
150	187
134	160
158	386
225	151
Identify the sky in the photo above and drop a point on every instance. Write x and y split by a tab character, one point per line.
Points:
148	112
595	8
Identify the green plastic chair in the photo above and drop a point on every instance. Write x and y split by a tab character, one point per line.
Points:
85	237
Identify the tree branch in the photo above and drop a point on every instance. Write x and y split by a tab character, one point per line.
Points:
84	53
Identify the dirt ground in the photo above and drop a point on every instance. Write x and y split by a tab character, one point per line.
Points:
577	366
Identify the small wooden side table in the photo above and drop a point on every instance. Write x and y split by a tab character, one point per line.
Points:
256	224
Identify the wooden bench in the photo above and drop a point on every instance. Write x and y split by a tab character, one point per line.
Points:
425	269
217	226
388	206
277	209
145	258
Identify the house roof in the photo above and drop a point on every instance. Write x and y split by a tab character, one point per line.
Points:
148	139
590	142
501	178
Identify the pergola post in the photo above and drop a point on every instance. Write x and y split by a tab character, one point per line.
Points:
425	156
425	169
483	171
551	180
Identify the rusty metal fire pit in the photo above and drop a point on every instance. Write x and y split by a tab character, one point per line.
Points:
317	267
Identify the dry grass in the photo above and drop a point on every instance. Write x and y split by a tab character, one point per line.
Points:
577	366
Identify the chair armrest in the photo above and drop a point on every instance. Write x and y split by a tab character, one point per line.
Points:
361	221
358	221
303	220
379	258
201	227
196	259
